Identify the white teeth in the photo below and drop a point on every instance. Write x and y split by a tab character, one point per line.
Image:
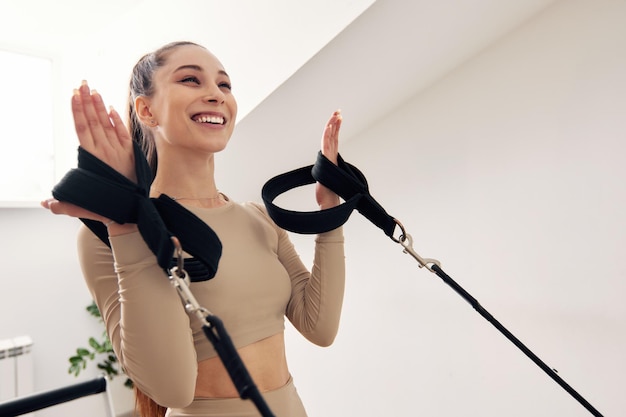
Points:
210	119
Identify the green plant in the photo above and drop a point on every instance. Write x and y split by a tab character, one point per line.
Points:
100	349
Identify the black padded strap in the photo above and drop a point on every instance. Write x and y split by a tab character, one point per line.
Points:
99	188
344	179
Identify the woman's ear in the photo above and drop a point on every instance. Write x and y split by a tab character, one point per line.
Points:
142	109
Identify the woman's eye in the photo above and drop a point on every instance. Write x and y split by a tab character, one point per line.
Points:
226	86
190	79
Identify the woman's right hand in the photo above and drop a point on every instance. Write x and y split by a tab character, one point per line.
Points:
102	134
61	207
68	209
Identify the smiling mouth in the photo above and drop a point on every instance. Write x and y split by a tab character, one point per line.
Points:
214	120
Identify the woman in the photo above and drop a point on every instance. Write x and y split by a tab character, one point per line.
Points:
183	111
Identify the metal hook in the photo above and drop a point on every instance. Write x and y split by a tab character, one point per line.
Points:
178	253
407	242
180	280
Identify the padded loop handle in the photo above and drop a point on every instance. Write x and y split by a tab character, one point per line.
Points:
344	179
99	188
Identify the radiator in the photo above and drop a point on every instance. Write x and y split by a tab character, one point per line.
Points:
16	367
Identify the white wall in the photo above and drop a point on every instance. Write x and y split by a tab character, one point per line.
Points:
278	37
508	171
43	295
511	172
38	249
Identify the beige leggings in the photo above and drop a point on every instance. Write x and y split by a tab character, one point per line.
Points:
284	402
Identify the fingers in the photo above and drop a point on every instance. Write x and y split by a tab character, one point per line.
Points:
95	116
330	138
120	130
81	124
58	207
102	133
103	126
93	124
330	149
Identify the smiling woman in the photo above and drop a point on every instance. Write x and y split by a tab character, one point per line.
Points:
182	112
26	163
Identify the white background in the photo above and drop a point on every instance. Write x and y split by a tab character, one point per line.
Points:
510	170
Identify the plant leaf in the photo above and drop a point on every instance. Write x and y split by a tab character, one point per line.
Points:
76	359
93	310
94	344
83	352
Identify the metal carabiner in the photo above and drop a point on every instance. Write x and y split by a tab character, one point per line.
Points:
178	253
180	280
407	243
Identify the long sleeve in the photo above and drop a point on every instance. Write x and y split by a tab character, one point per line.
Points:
144	316
317	296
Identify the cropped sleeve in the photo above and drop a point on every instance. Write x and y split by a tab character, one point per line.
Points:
144	316
316	296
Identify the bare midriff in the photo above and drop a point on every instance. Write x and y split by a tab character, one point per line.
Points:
265	361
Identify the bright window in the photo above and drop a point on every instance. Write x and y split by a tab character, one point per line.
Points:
26	129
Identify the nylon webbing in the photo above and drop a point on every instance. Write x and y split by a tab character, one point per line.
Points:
344	179
97	187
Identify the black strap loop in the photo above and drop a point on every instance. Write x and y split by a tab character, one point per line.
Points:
302	222
97	187
344	179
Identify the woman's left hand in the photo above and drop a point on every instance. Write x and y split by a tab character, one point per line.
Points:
330	149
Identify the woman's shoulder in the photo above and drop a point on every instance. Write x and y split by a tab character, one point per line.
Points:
259	212
254	207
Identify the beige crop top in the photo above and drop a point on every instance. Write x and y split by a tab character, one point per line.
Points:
260	279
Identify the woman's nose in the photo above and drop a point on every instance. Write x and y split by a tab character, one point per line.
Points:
214	94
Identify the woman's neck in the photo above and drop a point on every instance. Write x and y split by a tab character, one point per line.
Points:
207	196
189	183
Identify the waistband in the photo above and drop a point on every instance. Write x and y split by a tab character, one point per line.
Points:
283	401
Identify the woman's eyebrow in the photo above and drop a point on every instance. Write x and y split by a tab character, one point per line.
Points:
189	66
196	68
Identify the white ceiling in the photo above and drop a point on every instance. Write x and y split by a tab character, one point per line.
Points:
310	57
261	43
391	52
47	27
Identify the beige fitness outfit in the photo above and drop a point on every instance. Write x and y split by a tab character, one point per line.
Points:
259	281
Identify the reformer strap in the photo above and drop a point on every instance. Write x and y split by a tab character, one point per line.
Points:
344	179
350	184
99	188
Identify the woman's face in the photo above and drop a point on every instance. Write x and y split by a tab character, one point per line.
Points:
193	105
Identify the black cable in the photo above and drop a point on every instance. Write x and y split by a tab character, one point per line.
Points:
350	184
217	335
476	305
